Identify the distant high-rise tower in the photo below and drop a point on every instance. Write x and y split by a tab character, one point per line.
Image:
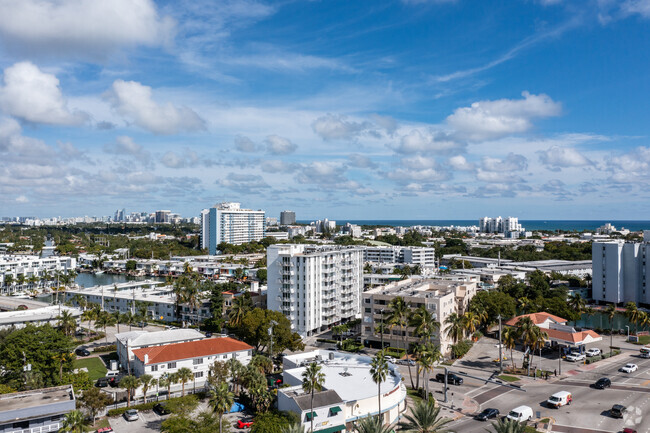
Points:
287	217
162	216
120	215
227	222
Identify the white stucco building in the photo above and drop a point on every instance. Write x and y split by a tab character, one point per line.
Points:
425	256
228	222
314	286
127	342
348	393
40	316
13	266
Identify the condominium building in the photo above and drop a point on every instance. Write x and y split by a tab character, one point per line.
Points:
441	298
620	271
36	410
287	217
314	286
396	254
500	225
17	270
127	342
227	222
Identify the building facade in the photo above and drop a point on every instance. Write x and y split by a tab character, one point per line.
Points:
17	270
287	217
127	342
500	225
424	256
314	286
227	222
38	410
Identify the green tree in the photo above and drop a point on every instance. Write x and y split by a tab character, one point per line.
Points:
371	424
74	422
399	316
313	380
254	330
235	367
509	338
274	422
577	303
508	426
104	320
424	418
261	275
146	380
94	401
378	373
493	303
130	383
67	323
131	265
293	428
184	375
241	305
632	313
221	400
455	328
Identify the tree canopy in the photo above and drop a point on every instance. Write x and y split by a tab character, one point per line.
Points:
254	330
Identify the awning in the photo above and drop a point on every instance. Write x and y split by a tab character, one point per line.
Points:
334	429
335	409
310	415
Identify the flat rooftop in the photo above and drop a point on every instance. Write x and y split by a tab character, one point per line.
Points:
46	313
415	287
35	398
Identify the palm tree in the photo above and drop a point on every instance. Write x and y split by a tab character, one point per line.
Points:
399	316
428	356
577	304
235	368
295	427
129	319
610	311
509	340
184	375
9	280
147	381
67	322
644	319
74	422
238	309
424	418
313	380
21	281
379	372
221	400
165	382
117	317
632	312
506	425
455	327
471	322
525	304
130	383
371	424
103	320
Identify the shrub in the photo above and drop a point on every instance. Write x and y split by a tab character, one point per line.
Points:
104	349
145	406
326	340
459	349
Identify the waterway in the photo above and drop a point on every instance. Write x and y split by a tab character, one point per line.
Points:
600	320
91	280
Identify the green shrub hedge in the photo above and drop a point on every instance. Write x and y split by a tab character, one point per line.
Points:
120	410
104	349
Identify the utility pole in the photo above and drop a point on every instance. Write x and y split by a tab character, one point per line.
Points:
446	372
500	349
382	329
272	324
559	358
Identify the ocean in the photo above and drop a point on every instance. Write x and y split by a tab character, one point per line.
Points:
564	225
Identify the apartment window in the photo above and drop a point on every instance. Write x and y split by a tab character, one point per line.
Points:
197	361
154	368
198	374
171	365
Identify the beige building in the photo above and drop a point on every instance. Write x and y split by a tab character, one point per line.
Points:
441	298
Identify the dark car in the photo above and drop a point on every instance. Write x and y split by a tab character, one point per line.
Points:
102	382
617	411
603	383
161	409
114	381
82	352
451	379
487	414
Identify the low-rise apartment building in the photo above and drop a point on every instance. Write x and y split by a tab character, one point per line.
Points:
396	254
37	410
441	298
16	271
127	342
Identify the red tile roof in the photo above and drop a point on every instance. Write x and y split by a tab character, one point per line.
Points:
575	337
190	349
537	318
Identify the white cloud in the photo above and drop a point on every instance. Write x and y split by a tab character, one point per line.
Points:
134	101
245	144
277	145
497	177
22	199
361	161
277	166
493	119
124	145
417	141
511	162
556	158
459	163
80	28
244	183
337	127
35	96
641	7
631	167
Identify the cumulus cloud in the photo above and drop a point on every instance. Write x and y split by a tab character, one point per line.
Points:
493	119
80	28
244	183
459	163
337	127
245	144
418	169
135	102
35	96
277	166
361	161
556	158
631	167
512	162
417	141
277	145
125	146
641	7
22	199
497	177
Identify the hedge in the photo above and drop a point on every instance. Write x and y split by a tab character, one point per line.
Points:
104	349
326	340
120	410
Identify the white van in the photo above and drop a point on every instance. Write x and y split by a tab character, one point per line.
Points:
521	413
559	399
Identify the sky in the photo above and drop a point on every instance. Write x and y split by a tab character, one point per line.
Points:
367	109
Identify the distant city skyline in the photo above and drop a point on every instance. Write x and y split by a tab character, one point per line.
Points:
418	109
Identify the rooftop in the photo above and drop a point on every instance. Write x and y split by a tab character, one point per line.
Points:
144	338
39	314
537	319
415	287
303	400
191	349
35	398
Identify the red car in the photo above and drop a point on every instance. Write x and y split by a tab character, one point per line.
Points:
104	430
629	430
244	424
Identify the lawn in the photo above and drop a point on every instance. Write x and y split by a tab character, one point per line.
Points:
95	366
644	339
507	378
101	423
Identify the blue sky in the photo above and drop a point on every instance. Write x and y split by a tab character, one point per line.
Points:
405	109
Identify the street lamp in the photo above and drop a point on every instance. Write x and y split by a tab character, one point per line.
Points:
500	353
628	332
381	329
272	324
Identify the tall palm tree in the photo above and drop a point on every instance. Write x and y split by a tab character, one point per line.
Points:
21	281
371	424
506	425
165	381
577	304
471	322
129	319
221	400
147	381
379	372
235	368
644	319
295	427
524	304
509	340
238	310
424	418
455	327
632	313
67	322
74	422
184	375
130	383
117	317
429	354
9	281
610	311
313	380
103	320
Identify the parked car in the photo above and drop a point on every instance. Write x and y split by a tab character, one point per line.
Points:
629	430
629	368
487	414
131	415
521	413
451	379
244	423
617	411
82	352
406	362
161	409
102	382
104	430
593	352
575	357
236	407
603	383
391	359
559	399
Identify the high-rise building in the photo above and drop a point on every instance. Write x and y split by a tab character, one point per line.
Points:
314	286
162	216
227	222
620	271
397	254
120	215
500	225
287	217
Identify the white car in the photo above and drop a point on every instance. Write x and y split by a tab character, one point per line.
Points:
131	415
593	352
391	359
629	368
575	357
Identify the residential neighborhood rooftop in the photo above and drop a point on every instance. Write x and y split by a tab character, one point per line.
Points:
190	349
